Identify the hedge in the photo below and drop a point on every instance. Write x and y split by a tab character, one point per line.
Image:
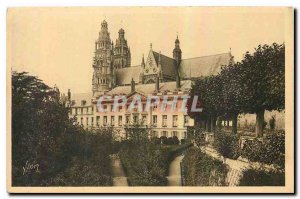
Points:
148	164
227	145
252	177
199	169
269	151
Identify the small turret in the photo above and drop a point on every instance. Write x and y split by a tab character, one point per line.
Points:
177	53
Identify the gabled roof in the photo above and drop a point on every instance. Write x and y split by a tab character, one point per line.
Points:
168	64
203	66
150	88
125	75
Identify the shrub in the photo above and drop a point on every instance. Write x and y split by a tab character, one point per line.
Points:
252	177
148	164
200	169
143	164
156	140
269	151
169	141
252	150
197	134
183	141
175	140
164	139
227	144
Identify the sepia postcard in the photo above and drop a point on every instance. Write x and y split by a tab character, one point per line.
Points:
150	100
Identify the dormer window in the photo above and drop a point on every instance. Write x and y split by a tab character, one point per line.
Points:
83	103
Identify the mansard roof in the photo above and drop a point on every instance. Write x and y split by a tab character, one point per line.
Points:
124	75
168	64
150	88
77	98
203	66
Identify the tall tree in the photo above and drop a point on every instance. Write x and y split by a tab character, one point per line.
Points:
231	92
263	82
208	90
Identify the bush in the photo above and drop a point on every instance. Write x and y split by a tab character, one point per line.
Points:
252	177
196	134
156	140
148	164
227	145
269	151
175	140
143	164
183	141
200	169
164	139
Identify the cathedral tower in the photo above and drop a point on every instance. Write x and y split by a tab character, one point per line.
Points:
122	55
103	76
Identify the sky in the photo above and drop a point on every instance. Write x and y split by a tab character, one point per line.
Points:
57	44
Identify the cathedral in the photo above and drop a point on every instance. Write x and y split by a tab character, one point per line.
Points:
157	74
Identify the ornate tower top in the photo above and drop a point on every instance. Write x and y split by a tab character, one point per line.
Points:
103	73
177	53
122	54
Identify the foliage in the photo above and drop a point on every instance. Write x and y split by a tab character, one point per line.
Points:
143	164
269	151
197	135
43	134
253	177
254	85
263	77
147	164
200	169
227	145
183	141
164	140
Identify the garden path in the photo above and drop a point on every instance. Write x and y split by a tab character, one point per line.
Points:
119	178
174	178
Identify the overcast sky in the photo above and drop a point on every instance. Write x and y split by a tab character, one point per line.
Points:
57	44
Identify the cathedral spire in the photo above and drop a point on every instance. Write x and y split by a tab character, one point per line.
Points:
177	53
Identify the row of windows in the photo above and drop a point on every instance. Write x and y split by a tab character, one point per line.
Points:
182	135
108	108
135	120
82	110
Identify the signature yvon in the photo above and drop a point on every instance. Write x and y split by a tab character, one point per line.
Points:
29	167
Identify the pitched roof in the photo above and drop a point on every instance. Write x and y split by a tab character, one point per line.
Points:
203	66
124	75
168	64
150	88
79	97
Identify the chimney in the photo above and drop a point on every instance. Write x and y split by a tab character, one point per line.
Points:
132	85
177	80
69	95
157	83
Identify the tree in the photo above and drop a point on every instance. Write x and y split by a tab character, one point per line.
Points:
231	92
43	135
263	82
208	90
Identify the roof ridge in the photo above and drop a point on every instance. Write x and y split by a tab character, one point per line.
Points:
206	56
127	67
163	55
